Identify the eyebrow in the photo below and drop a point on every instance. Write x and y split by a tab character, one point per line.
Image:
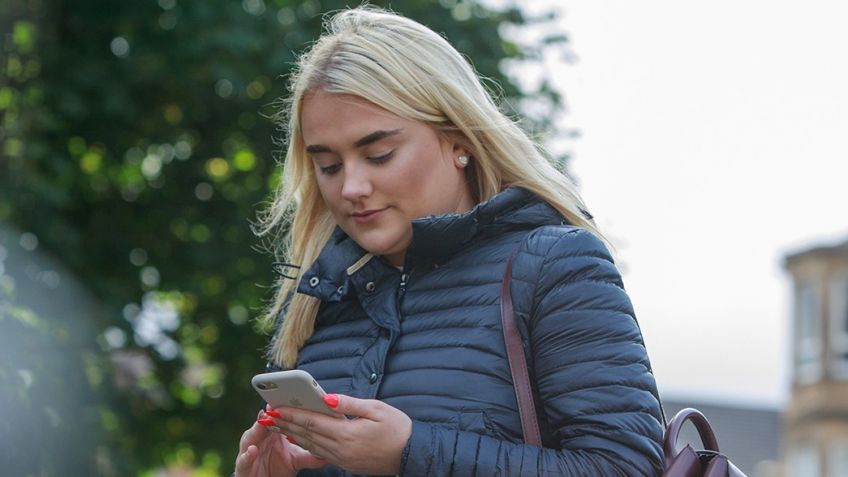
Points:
364	141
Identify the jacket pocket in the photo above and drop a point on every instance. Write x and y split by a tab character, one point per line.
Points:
474	420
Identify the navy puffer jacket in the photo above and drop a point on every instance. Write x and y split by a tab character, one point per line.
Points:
429	342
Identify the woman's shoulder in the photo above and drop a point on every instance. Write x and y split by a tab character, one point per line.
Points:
552	257
556	242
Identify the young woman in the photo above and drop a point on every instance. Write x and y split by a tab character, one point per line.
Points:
405	191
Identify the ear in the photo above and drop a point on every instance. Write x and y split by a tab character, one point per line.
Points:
458	149
454	145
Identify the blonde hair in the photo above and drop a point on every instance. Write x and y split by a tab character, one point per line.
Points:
411	71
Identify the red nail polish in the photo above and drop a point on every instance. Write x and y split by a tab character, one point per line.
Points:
331	400
265	422
291	440
273	414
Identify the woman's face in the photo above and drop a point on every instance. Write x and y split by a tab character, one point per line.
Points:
377	171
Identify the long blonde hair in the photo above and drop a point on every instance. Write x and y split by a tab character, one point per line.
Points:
411	71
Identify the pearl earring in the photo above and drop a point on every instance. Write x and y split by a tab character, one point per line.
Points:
462	160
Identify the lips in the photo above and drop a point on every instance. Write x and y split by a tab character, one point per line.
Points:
367	216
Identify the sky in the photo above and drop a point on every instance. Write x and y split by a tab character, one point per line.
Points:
714	141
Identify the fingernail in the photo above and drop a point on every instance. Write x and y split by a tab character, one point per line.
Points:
273	414
331	400
291	440
265	422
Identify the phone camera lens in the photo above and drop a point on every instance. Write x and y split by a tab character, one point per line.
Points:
261	386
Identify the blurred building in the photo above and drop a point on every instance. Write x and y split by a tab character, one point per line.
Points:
809	438
815	440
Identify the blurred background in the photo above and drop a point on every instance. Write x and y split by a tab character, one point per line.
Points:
137	144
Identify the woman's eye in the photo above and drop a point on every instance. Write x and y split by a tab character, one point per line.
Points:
381	159
330	170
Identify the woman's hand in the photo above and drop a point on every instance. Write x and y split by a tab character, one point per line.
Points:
371	443
266	453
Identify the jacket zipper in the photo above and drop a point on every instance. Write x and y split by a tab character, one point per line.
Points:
404	279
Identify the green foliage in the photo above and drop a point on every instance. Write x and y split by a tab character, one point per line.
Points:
136	145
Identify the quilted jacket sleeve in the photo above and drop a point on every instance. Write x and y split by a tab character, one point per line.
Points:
592	376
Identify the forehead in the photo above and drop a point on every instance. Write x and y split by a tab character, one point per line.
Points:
329	117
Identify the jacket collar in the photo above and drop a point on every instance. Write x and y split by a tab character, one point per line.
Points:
434	238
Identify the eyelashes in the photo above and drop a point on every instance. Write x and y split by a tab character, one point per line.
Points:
330	170
381	159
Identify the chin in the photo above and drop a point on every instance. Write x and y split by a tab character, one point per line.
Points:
378	249
379	245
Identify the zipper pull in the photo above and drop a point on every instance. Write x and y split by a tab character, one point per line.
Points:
404	278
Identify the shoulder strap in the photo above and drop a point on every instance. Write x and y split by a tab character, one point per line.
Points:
518	362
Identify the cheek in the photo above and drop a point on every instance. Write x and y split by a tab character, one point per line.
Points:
437	176
426	172
330	193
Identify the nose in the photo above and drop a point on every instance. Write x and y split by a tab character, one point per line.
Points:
357	183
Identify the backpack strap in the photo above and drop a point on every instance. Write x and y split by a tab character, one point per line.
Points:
518	362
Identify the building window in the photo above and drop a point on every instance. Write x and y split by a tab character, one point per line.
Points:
837	459
808	333
803	461
839	326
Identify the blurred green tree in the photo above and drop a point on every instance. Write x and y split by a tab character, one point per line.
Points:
136	146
